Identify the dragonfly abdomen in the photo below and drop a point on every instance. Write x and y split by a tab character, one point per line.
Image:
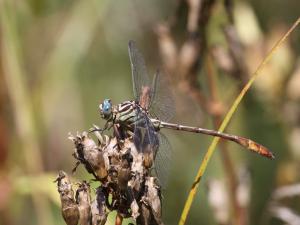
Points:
245	142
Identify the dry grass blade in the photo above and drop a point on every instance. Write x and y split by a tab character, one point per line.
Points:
225	122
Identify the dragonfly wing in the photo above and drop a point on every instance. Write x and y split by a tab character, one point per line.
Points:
163	160
162	102
145	137
140	76
159	99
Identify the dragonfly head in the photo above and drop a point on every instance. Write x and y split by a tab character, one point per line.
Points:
106	109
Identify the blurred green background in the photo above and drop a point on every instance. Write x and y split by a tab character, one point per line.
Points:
60	59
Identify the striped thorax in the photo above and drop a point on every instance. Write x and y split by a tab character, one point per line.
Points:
124	114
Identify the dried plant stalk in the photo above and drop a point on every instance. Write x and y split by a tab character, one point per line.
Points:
127	185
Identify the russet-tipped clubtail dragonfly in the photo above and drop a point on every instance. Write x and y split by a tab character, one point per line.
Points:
143	118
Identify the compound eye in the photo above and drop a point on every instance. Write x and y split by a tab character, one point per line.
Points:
106	105
105	108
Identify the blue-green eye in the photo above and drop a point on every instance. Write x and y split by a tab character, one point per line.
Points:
105	108
107	105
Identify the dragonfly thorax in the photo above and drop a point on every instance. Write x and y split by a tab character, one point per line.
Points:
127	115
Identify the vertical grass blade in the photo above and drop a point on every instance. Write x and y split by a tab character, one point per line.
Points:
225	122
18	91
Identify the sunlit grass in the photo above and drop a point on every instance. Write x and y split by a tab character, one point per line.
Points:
225	122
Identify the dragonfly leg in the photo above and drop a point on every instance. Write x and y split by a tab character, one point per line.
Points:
108	125
119	134
95	128
75	167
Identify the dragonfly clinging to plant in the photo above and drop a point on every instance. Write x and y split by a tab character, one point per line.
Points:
150	111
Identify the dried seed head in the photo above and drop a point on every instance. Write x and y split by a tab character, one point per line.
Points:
69	207
83	201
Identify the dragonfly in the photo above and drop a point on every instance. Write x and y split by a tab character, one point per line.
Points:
153	107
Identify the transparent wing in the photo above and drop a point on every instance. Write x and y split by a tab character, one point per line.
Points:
162	103
163	160
145	137
140	76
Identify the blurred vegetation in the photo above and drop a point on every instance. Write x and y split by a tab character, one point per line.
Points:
59	59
